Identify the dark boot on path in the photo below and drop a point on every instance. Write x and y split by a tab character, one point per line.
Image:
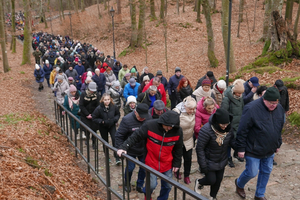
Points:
230	162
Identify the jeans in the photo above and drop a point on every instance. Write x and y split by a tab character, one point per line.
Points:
165	187
141	174
253	165
48	82
214	179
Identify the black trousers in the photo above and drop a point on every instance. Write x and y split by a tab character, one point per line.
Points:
104	134
173	100
213	179
187	157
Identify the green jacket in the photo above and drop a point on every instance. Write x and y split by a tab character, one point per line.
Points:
37	55
234	107
122	73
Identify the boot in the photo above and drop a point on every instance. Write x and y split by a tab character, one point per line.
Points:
230	163
187	180
274	162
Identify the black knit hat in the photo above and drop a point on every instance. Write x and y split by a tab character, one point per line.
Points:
271	94
279	84
221	116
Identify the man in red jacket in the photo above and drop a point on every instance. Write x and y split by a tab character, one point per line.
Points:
160	87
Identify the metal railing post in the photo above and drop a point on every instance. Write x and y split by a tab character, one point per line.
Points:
88	155
107	172
148	192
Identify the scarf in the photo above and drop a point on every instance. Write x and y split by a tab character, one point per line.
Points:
90	94
220	136
199	93
234	96
72	101
221	91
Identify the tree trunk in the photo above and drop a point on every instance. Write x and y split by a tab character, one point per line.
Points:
13	38
278	32
82	6
2	39
141	23
177	6
183	6
289	11
166	40
62	9
268	10
27	35
280	7
76	6
254	15
241	10
59	10
162	9
166	7
133	40
152	10
3	13
225	13
199	2
210	35
296	23
98	7
119	7
211	4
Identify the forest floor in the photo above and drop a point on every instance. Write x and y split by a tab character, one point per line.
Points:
28	132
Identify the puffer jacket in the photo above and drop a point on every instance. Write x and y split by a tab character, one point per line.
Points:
145	98
234	107
122	73
110	78
164	149
106	117
202	116
116	94
39	75
61	90
47	70
218	95
210	155
100	81
52	76
183	93
187	123
160	88
128	90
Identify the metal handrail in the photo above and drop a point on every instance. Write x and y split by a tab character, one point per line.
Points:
66	128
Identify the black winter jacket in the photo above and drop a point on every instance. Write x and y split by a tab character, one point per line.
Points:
128	125
259	132
284	99
144	98
210	155
183	93
248	94
106	117
164	149
199	83
88	105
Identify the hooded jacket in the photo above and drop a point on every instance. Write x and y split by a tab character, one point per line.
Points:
164	149
160	88
61	90
110	78
39	75
115	93
128	90
202	116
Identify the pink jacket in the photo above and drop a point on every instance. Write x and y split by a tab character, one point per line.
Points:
202	116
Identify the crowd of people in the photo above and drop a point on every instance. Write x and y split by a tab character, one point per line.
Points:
19	20
213	118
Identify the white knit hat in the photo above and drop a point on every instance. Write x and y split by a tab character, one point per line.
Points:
46	61
89	73
37	67
131	99
221	84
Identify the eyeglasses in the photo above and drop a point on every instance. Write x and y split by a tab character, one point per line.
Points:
272	103
224	125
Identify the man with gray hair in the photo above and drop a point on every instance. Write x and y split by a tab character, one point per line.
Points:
145	73
160	87
150	96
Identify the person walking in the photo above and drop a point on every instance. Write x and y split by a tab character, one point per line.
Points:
130	105
173	84
115	92
146	80
146	72
158	109
130	123
106	116
39	75
184	89
163	79
122	72
153	132
131	89
160	88
60	87
110	78
47	69
100	80
212	151
218	90
186	109
257	139
210	76
250	89
204	90
149	97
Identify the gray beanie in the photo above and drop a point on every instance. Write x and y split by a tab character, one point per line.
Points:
177	69
60	77
92	86
116	84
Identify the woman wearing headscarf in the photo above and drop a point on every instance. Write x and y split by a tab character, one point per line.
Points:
216	136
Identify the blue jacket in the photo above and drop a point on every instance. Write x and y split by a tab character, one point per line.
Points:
248	94
164	81
39	75
78	84
173	83
128	90
47	70
80	69
259	132
100	81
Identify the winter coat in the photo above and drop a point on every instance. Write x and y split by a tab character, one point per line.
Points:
145	98
164	81
80	70
64	75
164	149
127	109
84	76
183	93
116	70
284	99
47	70
218	95
142	76
152	113
248	94
160	88
122	73
103	68
106	117
202	116
115	95
66	66
78	83
110	78
259	132
199	83
100	81
128	126
84	86
210	155
124	82
109	63
39	75
72	73
52	77
74	110
61	90
173	84
128	90
37	54
52	57
200	93
187	123
234	107
87	106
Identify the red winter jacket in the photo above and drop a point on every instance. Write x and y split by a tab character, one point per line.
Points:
160	88
103	68
202	116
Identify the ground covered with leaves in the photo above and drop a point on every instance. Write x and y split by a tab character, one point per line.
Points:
36	161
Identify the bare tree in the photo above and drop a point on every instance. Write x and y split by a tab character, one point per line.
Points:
296	23
289	11
76	5
82	6
199	2
177	6
183	5
268	10
98	7
2	39
141	23
119	7
62	9
254	15
133	39
13	38
152	10
241	10
27	34
162	9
